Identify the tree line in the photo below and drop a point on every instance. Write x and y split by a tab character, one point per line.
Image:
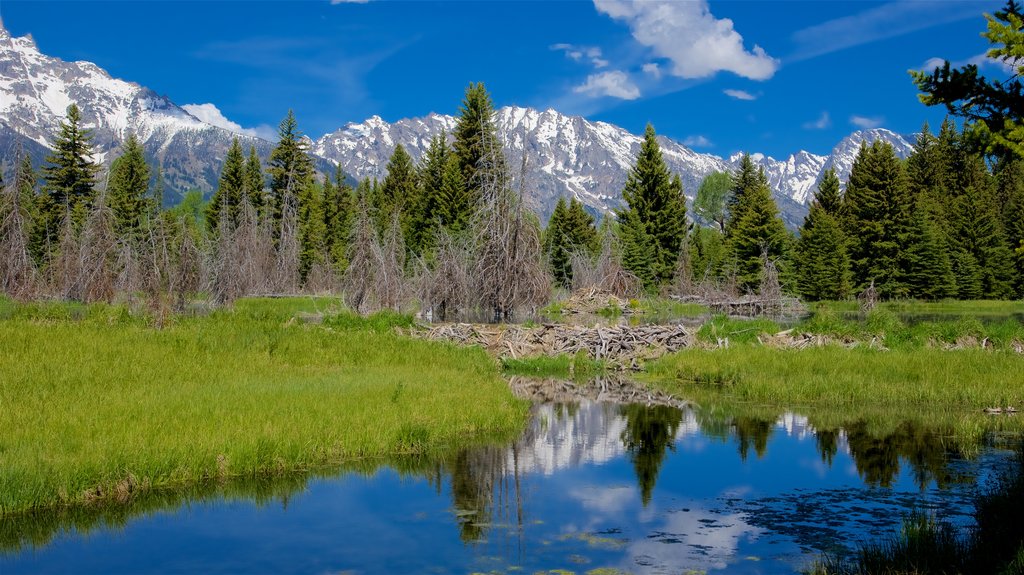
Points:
453	233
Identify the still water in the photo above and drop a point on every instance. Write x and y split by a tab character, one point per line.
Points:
590	487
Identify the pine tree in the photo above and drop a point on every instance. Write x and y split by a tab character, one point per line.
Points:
399	192
339	210
823	265
570	230
876	218
156	203
25	185
69	178
556	246
128	188
1010	195
984	258
477	145
228	197
758	233
312	229
744	181
654	230
254	181
290	167
926	269
707	253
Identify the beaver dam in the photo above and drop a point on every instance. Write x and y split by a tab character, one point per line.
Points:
602	389
621	345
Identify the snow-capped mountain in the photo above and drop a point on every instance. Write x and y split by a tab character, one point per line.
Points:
566	155
36	89
572	156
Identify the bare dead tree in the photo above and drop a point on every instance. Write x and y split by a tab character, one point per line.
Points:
187	273
444	287
364	253
128	267
286	269
97	255
391	284
770	289
682	282
606	272
64	268
868	298
253	246
19	278
508	269
228	285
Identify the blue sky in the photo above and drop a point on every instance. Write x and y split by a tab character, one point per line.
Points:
773	76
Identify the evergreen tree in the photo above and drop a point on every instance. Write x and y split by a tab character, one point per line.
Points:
746	179
711	198
1010	196
69	177
707	253
25	184
399	193
444	200
924	262
156	204
476	142
312	229
876	218
128	189
758	232
984	257
254	181
571	229
339	211
823	265
290	168
654	221
228	197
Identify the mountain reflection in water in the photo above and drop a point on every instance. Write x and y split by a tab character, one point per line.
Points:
588	485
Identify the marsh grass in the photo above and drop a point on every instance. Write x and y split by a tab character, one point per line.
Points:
925	546
97	405
968	379
578	367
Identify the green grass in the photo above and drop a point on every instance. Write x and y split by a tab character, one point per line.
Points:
942	307
578	367
94	403
886	327
967	379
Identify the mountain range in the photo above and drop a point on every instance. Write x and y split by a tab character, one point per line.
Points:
565	155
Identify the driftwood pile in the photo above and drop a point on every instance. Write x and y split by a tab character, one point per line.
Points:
592	301
620	344
602	389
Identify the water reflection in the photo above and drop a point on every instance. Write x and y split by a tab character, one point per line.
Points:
643	489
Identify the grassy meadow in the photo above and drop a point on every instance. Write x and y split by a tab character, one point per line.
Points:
96	404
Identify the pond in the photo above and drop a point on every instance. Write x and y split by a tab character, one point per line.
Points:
590	487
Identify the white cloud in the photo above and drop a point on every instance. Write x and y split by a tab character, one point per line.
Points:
686	33
866	122
697	142
652	69
577	53
823	121
981	60
739	94
615	84
879	23
210	114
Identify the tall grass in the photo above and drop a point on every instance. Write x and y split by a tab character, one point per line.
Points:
97	404
968	379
